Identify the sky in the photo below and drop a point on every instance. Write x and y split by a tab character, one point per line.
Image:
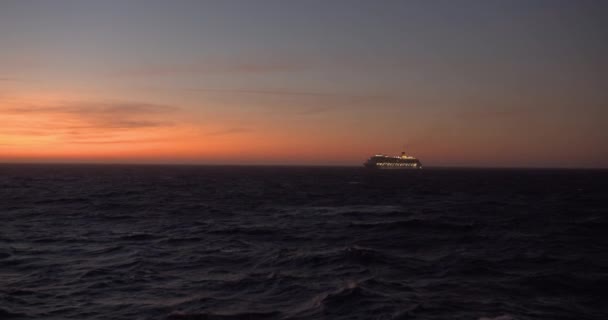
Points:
454	83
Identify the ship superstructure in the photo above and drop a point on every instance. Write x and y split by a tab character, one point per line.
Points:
380	161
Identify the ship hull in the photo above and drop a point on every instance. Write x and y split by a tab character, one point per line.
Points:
393	168
382	162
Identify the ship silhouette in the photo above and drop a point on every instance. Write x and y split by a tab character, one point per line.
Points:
380	161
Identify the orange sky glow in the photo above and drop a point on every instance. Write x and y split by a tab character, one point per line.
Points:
216	84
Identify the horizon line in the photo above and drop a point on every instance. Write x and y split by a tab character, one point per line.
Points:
177	164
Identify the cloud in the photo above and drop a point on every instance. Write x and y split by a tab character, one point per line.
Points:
228	131
307	102
114	141
314	110
123	124
496	113
96	108
210	68
110	115
88	122
280	92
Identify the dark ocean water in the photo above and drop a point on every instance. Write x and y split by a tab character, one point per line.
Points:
163	242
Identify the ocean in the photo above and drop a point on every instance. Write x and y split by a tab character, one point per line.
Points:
205	242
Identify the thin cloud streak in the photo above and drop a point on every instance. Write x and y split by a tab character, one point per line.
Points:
166	70
99	108
289	93
315	110
228	132
116	141
120	124
96	122
305	103
110	115
506	112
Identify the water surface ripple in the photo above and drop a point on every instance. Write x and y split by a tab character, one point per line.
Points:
179	242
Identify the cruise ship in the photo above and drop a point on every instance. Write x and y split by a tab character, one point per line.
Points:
380	161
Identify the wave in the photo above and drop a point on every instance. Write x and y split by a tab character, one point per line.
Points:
300	244
220	316
417	225
502	317
139	237
7	314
